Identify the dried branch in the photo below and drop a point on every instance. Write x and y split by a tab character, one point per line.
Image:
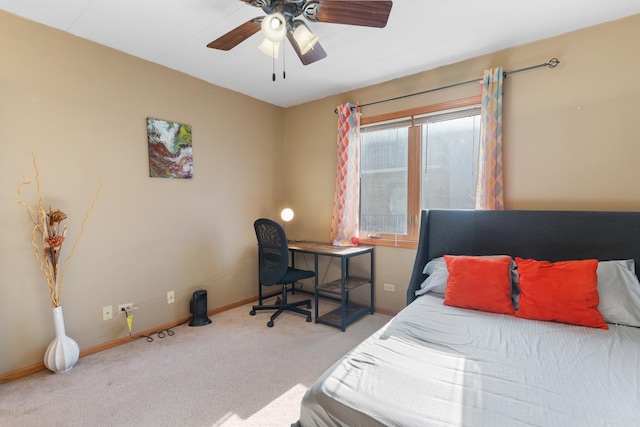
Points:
84	221
48	244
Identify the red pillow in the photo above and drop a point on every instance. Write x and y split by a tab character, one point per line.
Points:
479	283
564	291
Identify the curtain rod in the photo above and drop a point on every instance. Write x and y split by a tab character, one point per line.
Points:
553	62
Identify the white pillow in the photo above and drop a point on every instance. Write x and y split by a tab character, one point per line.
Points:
619	292
437	280
438	275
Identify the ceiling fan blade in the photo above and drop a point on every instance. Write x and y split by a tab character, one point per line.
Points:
366	13
315	54
236	36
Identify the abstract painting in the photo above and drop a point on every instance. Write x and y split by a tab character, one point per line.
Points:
170	151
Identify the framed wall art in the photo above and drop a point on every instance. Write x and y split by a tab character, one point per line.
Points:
170	150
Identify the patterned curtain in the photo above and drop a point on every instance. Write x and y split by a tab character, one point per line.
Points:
489	188
345	221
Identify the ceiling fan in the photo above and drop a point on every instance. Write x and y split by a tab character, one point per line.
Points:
281	21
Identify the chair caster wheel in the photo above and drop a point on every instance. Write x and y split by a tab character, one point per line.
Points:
308	305
270	324
252	312
308	318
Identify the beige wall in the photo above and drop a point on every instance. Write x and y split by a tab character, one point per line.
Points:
82	109
571	134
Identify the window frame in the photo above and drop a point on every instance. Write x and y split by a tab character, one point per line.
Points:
410	240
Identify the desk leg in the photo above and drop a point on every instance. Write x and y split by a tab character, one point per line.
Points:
292	262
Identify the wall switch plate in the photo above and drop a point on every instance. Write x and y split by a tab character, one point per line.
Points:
107	312
171	298
390	288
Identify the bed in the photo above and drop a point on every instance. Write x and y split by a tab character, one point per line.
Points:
442	365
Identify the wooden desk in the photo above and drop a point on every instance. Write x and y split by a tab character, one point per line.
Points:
338	289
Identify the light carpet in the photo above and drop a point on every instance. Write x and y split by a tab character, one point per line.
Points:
233	372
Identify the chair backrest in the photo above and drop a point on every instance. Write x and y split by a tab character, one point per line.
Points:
273	251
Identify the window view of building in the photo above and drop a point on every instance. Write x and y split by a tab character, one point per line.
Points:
449	149
392	182
383	179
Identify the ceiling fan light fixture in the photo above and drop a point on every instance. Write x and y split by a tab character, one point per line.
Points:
304	37
270	48
274	27
280	21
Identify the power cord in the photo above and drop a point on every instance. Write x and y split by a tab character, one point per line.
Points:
161	333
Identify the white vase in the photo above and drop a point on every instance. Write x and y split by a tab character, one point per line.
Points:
63	352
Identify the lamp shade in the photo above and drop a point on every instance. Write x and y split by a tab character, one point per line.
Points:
303	37
274	27
270	48
286	214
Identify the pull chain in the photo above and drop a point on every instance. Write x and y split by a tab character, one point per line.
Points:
273	62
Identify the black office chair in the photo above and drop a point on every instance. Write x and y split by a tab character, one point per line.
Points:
273	256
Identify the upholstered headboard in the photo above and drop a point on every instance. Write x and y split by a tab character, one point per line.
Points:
541	235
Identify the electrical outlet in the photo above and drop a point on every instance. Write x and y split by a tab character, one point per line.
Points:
390	288
171	298
128	306
107	312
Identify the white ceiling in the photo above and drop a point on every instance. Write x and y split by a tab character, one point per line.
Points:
420	35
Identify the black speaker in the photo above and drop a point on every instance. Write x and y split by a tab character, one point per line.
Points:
198	307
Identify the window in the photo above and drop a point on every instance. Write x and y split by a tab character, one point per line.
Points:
422	159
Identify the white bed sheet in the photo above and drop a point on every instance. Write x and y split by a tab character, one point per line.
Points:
434	365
